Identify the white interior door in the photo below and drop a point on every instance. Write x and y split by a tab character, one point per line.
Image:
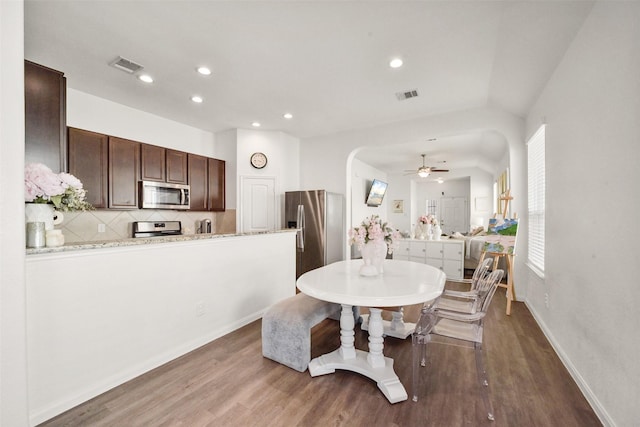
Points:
453	214
258	204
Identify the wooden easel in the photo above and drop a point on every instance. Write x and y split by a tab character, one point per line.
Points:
505	198
511	295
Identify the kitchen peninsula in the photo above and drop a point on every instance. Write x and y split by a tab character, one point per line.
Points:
100	316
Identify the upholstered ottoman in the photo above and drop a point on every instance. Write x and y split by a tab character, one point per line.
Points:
286	329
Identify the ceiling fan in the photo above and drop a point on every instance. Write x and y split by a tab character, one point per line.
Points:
424	171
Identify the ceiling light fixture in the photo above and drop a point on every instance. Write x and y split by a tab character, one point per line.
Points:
255	124
423	173
145	78
204	71
287	116
396	63
440	180
196	98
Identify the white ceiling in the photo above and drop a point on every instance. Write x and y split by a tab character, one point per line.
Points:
325	62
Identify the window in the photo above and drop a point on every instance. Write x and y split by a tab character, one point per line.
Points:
536	190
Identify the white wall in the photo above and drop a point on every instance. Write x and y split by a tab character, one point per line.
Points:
323	158
433	191
479	183
96	114
362	175
13	363
108	322
283	164
400	188
592	105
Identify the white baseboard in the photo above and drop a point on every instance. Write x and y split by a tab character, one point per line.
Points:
600	411
41	415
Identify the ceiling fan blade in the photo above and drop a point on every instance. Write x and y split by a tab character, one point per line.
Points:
439	170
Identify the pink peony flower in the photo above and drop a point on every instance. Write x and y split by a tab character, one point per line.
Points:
63	190
373	229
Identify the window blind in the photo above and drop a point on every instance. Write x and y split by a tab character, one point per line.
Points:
536	198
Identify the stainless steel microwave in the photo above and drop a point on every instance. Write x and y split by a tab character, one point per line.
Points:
163	195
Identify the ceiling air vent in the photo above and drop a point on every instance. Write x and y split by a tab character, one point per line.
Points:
126	65
407	94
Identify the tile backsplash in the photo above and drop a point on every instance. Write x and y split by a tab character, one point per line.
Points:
83	226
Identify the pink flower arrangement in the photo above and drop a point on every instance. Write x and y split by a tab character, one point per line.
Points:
373	229
428	219
63	190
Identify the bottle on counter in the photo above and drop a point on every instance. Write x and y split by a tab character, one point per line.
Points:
35	234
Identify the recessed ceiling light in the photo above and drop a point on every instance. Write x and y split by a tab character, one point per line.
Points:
440	180
255	124
287	116
145	78
196	98
204	71
395	63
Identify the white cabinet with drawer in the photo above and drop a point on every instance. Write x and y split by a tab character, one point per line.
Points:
447	255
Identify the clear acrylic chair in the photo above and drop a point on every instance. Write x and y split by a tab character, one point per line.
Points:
465	301
436	325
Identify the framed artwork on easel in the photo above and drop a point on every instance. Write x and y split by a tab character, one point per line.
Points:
501	236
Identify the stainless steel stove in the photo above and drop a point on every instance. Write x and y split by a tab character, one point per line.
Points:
156	228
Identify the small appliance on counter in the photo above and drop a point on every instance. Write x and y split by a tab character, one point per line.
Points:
204	226
156	228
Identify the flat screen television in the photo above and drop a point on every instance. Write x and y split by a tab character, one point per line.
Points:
376	193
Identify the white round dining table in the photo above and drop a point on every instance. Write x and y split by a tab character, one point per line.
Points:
401	283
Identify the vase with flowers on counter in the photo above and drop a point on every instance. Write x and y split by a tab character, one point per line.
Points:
374	239
427	228
47	195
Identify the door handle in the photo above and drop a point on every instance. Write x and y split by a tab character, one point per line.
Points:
300	227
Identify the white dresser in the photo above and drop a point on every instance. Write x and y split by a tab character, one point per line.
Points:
447	255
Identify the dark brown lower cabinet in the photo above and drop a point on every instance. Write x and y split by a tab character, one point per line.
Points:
88	161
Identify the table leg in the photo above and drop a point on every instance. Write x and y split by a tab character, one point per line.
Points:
376	342
371	364
347	324
396	328
397	320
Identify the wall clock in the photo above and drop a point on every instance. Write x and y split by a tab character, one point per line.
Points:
258	160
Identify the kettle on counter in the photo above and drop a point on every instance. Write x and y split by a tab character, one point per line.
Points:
205	226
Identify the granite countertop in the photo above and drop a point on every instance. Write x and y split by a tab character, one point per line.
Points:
101	244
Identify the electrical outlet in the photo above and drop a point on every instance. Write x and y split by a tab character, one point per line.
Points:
101	228
200	309
546	300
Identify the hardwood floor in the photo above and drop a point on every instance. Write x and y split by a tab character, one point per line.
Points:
229	383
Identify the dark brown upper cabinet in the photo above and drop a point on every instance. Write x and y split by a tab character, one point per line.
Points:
88	161
198	182
216	184
163	165
177	167
153	163
124	173
45	102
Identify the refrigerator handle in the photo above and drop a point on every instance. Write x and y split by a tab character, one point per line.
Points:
300	227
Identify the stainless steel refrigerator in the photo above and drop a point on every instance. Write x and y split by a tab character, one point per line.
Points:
319	218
